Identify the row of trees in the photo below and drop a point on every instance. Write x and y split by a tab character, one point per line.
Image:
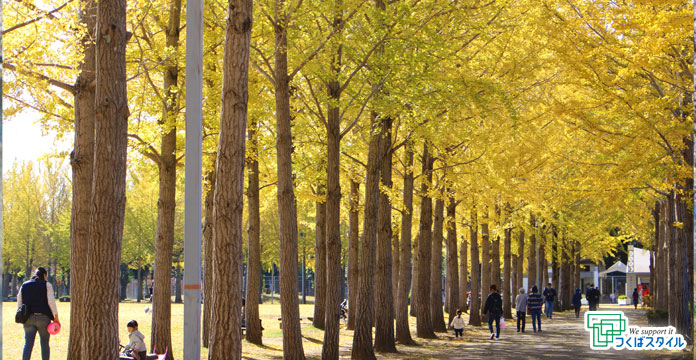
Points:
550	128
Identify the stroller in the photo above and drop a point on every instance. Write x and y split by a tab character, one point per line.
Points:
125	355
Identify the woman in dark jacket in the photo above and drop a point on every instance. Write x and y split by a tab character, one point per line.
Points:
37	295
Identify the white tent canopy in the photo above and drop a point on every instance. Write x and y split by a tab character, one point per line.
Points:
618	266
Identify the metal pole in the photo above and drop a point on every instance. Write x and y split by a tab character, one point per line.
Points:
193	179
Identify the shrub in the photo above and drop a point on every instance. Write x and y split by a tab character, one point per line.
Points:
623	297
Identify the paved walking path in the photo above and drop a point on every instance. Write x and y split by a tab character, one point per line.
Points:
563	337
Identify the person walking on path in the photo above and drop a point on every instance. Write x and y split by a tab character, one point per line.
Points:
521	306
549	295
494	309
636	297
458	325
37	294
592	296
577	302
534	301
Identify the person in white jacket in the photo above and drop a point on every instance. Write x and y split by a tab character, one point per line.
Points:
136	345
521	306
458	325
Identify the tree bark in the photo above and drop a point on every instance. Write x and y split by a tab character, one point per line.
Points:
541	265
396	263
251	306
384	309
333	277
209	249
177	284
485	260
225	336
566	272
287	210
320	275
362	339
495	252
424	325
463	275
403	332
520	260
474	309
507	286
353	246
532	262
82	161
414	279
161	336
437	317
109	182
452	263
555	278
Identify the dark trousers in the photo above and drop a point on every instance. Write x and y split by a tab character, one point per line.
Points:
36	323
577	311
458	332
495	318
521	318
536	318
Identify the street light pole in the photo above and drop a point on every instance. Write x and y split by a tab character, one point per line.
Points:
193	179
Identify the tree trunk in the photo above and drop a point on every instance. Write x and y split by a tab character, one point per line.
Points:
679	314
541	267
520	260
424	325
576	267
566	273
81	161
474	309
507	286
353	246
139	291
109	182
403	332
287	211
166	205
384	309
495	252
225	338
485	260
463	275
209	249
666	252
654	264
532	262
414	279
362	339
438	318
177	287
452	263
320	275
555	278
396	263
333	276
251	306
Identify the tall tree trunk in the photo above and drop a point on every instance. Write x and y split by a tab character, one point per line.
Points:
452	263
177	284
333	276
555	269
208	250
576	266
166	205
414	279
566	272
139	291
396	263
320	274
109	182
474	309
654	262
485	259
403	332
353	246
225	339
384	309
520	260
495	252
437	317
287	211
424	325
541	267
507	286
532	262
251	307
463	275
82	161
362	339
665	255
679	314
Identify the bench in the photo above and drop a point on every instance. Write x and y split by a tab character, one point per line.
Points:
244	327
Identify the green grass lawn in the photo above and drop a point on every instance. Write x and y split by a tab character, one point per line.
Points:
13	334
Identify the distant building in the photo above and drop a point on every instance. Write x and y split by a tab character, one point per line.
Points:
638	268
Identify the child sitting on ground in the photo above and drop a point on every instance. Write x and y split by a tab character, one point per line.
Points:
458	324
136	342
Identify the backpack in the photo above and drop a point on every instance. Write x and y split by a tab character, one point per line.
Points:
497	304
